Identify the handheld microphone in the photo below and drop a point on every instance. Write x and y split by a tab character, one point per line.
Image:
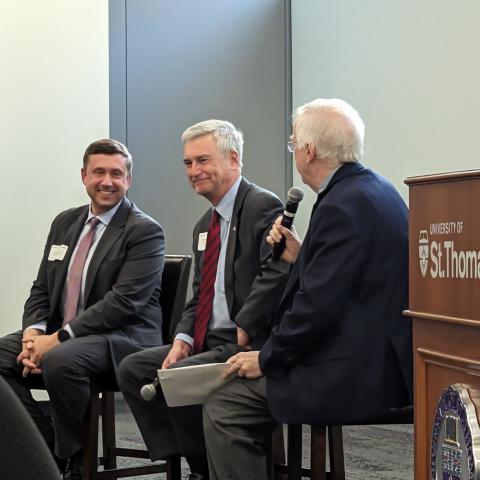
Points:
295	196
149	391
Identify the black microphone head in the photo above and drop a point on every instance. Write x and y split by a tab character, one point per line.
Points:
148	392
295	195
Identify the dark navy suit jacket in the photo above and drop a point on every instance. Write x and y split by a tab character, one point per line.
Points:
341	350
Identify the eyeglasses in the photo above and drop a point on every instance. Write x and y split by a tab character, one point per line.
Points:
291	146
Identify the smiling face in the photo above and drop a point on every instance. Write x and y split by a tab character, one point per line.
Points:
106	180
211	173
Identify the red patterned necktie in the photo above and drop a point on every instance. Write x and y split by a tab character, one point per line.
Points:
74	282
207	283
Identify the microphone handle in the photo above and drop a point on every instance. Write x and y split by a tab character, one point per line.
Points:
278	248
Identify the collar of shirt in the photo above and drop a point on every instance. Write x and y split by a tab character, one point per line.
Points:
106	217
226	204
327	179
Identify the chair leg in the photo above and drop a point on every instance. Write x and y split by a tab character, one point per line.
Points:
318	452
108	429
294	452
90	453
276	455
335	446
174	469
278	446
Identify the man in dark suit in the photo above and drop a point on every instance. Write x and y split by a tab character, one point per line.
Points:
243	284
95	300
341	350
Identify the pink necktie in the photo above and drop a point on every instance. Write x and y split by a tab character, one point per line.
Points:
207	283
74	282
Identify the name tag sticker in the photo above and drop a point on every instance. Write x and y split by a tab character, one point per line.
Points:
57	252
202	241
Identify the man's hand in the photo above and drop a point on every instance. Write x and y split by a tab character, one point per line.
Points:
23	358
41	345
292	240
245	364
179	351
243	338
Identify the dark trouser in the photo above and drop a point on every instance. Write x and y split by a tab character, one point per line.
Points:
168	431
67	370
238	429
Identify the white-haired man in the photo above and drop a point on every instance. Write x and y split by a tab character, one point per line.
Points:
341	350
235	286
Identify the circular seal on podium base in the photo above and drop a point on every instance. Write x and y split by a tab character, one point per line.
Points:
456	436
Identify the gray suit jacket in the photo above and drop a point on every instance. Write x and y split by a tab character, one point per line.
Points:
253	284
122	290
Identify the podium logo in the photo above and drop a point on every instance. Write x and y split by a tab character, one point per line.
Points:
423	251
443	258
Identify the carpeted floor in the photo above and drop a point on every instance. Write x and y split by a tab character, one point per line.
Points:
371	452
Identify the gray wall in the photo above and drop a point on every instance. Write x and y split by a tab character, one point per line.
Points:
174	63
412	70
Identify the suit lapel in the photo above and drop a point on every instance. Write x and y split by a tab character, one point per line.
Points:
232	241
71	238
109	237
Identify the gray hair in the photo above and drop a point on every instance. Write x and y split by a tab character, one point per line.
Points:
333	127
226	136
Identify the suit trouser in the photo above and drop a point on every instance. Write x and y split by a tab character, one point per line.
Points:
67	370
238	428
167	431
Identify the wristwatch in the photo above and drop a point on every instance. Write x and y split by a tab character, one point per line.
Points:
63	335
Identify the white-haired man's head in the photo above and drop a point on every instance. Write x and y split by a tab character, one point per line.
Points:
333	127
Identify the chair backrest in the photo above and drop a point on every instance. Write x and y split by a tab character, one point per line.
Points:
24	453
174	291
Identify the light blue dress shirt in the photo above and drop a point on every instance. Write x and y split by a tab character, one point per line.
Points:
220	315
105	219
327	179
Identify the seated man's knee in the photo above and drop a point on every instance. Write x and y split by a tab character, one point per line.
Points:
53	368
129	370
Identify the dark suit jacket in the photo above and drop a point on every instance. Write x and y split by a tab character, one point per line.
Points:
122	288
253	284
342	350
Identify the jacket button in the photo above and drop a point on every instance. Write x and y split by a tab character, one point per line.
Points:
289	359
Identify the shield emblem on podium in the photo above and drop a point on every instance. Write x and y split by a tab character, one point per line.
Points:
423	251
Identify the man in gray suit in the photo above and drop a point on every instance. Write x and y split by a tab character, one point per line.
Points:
244	286
95	300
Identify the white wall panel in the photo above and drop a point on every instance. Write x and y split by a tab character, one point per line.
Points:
54	101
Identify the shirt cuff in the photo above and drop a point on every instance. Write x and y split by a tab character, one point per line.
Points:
39	326
184	337
68	328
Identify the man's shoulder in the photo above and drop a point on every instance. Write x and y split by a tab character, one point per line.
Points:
257	196
138	216
70	215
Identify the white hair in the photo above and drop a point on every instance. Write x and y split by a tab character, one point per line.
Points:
226	136
333	127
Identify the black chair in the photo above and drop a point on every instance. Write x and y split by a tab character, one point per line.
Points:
318	447
102	403
23	451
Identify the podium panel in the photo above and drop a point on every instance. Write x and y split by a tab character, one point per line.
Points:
444	294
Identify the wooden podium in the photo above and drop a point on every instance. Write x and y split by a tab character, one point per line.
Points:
444	293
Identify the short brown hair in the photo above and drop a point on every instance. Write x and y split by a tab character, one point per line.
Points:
108	146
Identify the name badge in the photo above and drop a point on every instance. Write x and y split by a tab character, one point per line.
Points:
57	252
202	241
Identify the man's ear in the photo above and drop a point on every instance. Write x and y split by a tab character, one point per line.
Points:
310	152
83	173
234	158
